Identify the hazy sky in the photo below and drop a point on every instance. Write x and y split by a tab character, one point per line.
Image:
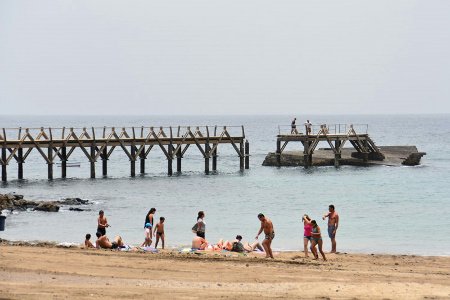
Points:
224	57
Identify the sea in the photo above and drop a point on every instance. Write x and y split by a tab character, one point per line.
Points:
382	209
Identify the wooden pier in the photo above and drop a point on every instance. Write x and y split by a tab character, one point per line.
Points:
336	135
55	144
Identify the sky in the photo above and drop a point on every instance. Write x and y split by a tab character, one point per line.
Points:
183	57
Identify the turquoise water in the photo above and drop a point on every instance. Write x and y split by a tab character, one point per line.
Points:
382	209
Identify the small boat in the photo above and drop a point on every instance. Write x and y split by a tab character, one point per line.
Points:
70	164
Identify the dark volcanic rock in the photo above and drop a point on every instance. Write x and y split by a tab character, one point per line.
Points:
16	202
77	209
47	206
73	201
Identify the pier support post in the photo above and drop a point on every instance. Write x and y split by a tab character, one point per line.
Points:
105	162
241	156
50	164
278	154
366	153
169	160
92	161
306	156
4	174
247	155
337	155
179	161
142	161
214	160
207	149
133	161
63	162
20	163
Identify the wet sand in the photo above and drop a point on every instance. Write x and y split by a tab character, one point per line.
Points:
43	272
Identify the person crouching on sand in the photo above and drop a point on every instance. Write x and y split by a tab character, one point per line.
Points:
87	242
307	226
103	242
316	239
148	235
267	226
199	243
159	232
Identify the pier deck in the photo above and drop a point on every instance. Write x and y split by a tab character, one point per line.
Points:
136	142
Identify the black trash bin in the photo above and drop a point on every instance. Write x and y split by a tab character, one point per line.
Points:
2	223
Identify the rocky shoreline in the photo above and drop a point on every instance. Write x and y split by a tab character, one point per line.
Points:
13	202
391	156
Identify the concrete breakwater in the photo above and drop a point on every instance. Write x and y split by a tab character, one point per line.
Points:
391	156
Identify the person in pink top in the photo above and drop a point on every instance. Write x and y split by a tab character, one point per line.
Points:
307	232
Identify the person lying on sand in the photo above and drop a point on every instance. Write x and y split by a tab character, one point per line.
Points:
238	246
103	242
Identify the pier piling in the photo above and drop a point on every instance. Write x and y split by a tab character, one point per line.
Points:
4	174
133	161
104	157
20	163
247	155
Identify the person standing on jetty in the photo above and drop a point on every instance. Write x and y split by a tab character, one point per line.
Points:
333	223
294	127
267	226
200	226
102	223
308	126
149	219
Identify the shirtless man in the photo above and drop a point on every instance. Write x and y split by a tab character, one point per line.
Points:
199	243
103	242
333	224
267	226
102	223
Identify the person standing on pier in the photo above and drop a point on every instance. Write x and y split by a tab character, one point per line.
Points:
102	223
308	126
333	223
294	127
267	227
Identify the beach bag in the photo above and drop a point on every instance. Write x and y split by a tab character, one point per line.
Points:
194	228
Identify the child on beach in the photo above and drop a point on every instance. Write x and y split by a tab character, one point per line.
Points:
316	239
307	226
87	242
102	223
159	232
148	235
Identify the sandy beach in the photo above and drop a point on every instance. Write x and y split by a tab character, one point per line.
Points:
46	271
